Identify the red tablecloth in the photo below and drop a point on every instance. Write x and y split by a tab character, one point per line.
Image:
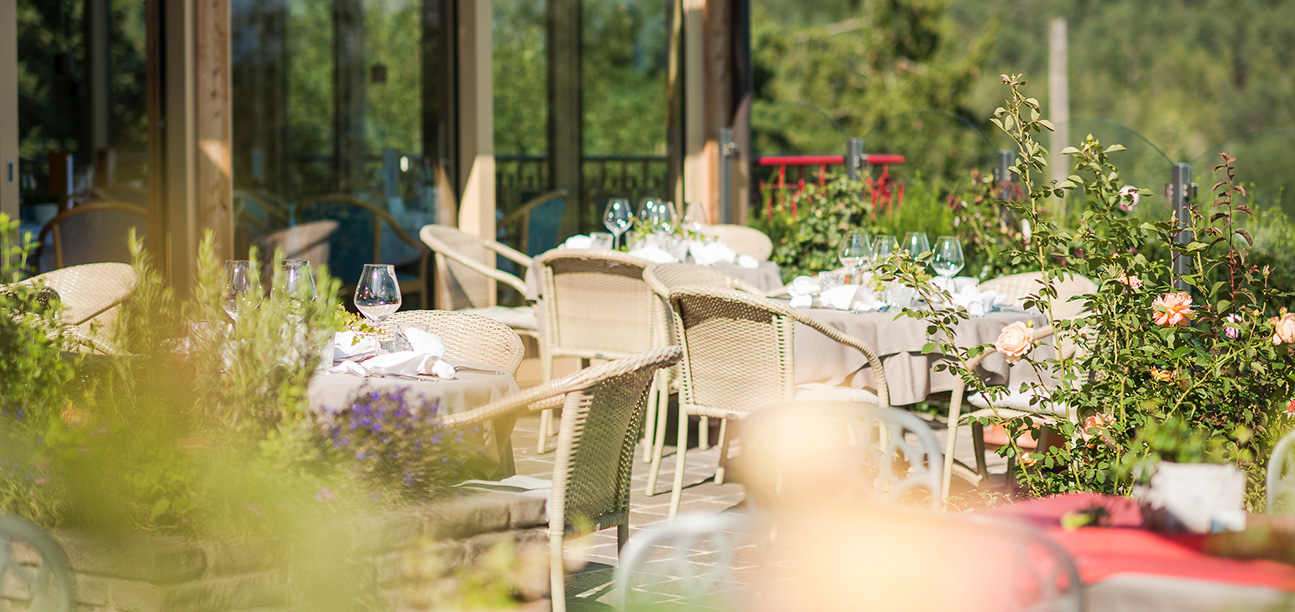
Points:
1125	547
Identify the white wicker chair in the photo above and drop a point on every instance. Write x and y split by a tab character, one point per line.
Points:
1281	476
467	336
1017	286
742	239
91	295
465	265
602	410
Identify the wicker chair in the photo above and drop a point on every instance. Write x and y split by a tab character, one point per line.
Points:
661	278
738	358
467	337
95	232
35	564
597	306
602	410
742	239
1017	286
308	241
91	295
465	265
1281	476
1010	406
382	220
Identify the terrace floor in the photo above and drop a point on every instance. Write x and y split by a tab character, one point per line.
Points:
590	588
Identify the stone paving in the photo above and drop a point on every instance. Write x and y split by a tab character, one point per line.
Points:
590	587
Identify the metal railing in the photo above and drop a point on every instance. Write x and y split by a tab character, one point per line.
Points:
788	175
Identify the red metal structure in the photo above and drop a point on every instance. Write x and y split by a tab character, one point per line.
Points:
881	190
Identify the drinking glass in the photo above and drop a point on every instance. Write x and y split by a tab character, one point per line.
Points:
296	281
916	243
667	218
238	281
883	247
618	218
856	251
647	218
378	294
946	259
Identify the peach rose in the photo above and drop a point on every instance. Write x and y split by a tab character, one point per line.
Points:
1172	309
1290	408
1132	281
1163	375
1014	341
1129	197
75	417
1094	425
1284	328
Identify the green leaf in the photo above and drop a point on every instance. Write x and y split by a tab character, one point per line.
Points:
1070	151
1114	148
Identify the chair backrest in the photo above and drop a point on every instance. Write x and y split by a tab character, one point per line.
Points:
467	336
534	227
88	290
603	409
1016	287
1281	476
669	552
34	564
596	304
738	350
90	233
664	277
350	250
308	241
465	264
742	239
852	450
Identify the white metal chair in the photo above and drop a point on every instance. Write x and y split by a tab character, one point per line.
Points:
35	568
667	553
1281	476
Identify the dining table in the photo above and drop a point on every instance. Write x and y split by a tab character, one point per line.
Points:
766	276
474	385
1125	566
899	342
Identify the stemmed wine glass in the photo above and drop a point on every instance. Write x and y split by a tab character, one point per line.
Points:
647	217
916	243
618	218
296	282
377	295
856	251
667	218
946	259
238	281
883	247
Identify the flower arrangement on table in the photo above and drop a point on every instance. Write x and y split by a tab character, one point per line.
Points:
1207	352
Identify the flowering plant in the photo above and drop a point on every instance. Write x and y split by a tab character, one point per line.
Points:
395	442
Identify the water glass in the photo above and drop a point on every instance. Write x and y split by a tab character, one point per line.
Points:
856	252
601	240
618	218
377	295
238	281
647	217
916	243
667	218
946	260
883	247
828	281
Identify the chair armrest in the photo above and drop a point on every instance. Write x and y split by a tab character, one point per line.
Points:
883	393
547	395
516	256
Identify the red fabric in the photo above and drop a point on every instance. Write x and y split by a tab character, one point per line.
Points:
1124	547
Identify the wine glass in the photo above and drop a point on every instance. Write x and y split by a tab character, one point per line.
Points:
856	251
647	217
618	218
377	295
946	259
296	282
916	243
238	281
667	218
883	247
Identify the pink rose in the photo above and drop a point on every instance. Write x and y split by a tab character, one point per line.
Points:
1284	328
1014	341
1172	309
1232	328
1129	197
1132	281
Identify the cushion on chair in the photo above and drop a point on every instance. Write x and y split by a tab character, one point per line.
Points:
823	392
520	317
1019	402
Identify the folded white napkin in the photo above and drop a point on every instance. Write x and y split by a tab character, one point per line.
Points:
350	345
708	253
653	254
850	297
579	241
748	262
977	302
803	285
425	357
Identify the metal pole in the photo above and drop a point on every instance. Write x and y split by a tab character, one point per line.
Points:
854	158
1180	183
727	151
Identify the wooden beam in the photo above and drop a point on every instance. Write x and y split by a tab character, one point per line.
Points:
566	109
741	121
695	171
213	125
9	178
718	99
675	120
476	120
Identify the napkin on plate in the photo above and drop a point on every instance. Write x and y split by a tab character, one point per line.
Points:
348	345
748	262
967	294
654	254
578	241
802	290
709	253
425	357
850	297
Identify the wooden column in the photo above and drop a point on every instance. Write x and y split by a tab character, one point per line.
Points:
718	106
696	172
566	109
9	108
743	87
675	117
189	186
476	120
439	73
97	103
